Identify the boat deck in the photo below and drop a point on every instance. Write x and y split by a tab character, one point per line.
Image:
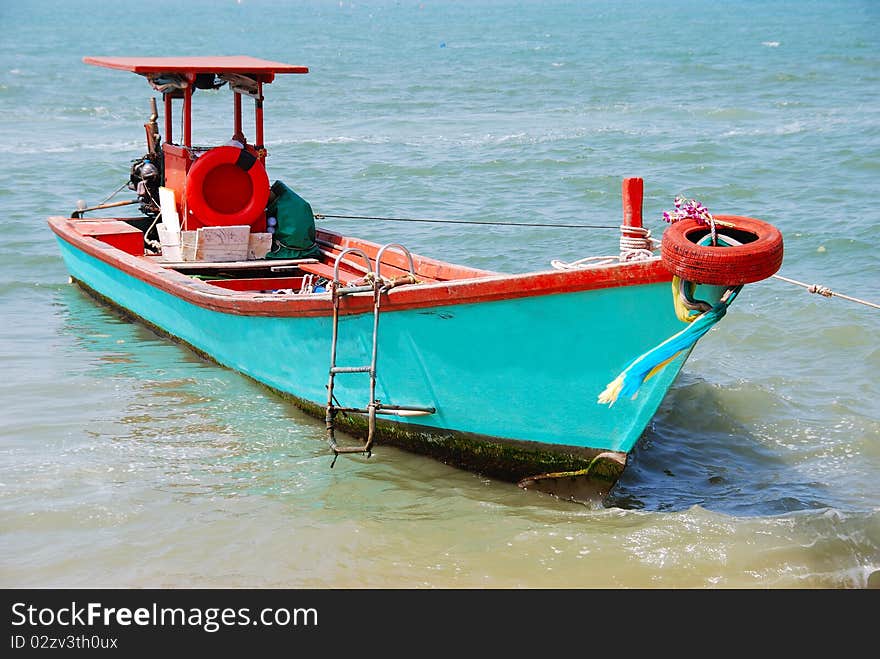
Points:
288	275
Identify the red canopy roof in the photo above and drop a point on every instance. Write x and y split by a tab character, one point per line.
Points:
220	64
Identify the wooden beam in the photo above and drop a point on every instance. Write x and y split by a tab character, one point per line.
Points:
232	265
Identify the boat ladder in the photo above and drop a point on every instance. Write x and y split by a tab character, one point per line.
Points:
378	286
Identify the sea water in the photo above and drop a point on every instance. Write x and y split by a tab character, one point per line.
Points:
127	461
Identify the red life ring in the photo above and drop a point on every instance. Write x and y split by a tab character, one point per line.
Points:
226	186
758	256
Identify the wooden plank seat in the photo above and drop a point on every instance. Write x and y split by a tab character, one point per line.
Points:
257	264
346	272
349	270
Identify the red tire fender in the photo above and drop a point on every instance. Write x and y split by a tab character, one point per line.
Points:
757	257
225	186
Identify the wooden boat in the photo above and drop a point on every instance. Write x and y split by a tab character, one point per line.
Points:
546	379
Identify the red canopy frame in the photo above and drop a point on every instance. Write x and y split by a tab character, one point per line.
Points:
189	68
177	77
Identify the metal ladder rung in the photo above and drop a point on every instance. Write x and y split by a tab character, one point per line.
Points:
353	410
378	287
412	409
351	290
350	449
405	412
391	410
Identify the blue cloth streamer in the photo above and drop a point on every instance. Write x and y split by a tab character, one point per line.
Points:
638	370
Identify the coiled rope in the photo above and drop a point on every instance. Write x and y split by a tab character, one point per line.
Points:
636	242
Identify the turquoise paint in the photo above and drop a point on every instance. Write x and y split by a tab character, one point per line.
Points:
527	369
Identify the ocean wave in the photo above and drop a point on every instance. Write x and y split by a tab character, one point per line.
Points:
789	128
132	147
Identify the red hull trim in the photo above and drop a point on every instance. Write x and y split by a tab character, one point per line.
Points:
485	288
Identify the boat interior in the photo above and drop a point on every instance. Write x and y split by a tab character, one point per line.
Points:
349	261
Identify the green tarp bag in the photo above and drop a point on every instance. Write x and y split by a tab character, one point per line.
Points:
294	236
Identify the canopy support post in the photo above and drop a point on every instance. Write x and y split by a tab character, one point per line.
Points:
258	120
237	115
187	116
168	123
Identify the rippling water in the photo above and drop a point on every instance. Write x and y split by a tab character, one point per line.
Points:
128	461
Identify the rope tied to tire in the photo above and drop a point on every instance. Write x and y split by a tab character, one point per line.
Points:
692	249
650	363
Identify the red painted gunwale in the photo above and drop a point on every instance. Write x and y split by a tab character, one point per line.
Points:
453	284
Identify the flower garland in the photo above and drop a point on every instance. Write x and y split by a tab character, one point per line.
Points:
691	209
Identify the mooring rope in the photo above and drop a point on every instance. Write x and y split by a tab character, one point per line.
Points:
825	291
635	242
321	216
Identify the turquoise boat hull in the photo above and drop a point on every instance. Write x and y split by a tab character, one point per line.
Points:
514	382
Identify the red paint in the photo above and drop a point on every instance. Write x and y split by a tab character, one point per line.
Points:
120	235
394	263
471	287
758	257
177	163
263	284
220	196
216	199
346	273
168	122
220	191
264	70
187	116
633	190
236	116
